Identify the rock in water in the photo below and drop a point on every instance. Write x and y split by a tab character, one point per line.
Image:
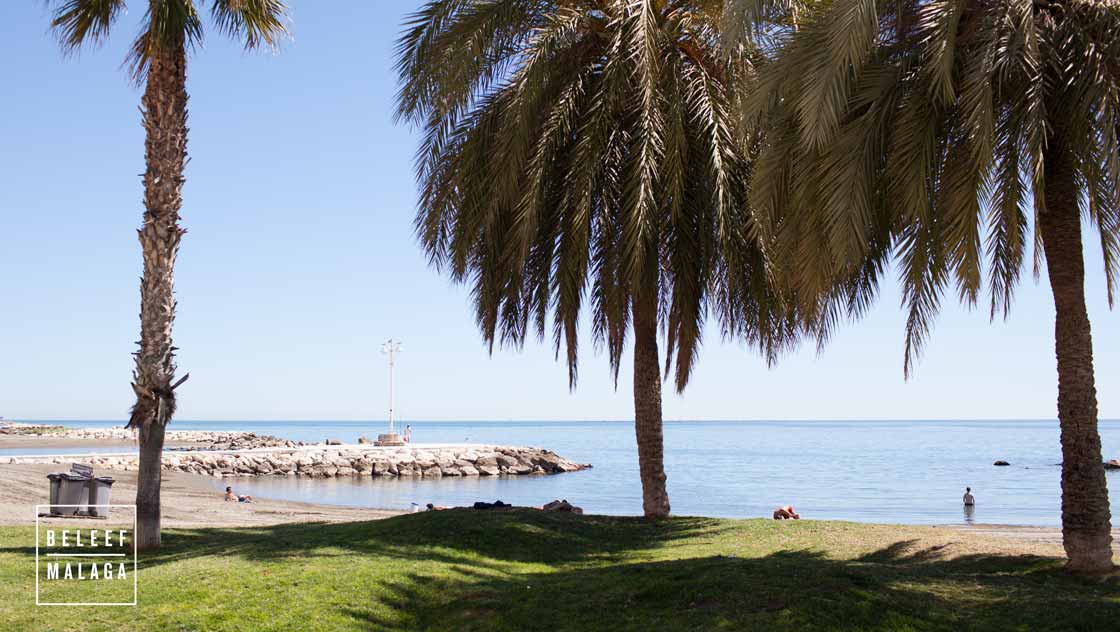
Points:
1114	464
1001	463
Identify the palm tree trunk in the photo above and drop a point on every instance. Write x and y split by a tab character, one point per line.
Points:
165	152
1086	528
148	480
647	399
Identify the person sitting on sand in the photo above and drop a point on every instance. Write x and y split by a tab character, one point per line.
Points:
786	513
968	499
231	497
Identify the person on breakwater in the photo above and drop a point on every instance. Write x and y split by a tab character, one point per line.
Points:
408	434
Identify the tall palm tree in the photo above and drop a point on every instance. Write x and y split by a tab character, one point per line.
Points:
905	129
587	149
158	59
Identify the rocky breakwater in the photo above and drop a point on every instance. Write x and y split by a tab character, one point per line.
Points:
195	439
229	440
332	461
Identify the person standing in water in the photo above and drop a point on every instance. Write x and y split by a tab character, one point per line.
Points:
968	498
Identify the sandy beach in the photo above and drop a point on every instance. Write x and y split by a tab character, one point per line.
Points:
1049	536
187	501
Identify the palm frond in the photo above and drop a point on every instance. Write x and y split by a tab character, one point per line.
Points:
260	23
78	22
910	131
584	157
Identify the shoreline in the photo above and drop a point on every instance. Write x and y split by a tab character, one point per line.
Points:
189	498
191	501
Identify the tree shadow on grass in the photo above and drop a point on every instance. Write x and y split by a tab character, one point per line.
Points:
481	538
456	536
527	569
899	587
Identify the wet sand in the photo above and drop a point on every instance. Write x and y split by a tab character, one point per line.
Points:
187	501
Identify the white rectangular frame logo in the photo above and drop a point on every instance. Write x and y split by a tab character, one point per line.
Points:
38	510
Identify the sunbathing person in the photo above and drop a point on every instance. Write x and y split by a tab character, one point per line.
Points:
786	513
231	497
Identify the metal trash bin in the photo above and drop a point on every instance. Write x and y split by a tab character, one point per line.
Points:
100	489
56	481
74	491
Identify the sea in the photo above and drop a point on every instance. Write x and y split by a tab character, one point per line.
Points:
909	472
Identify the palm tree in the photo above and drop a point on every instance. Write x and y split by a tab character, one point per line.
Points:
904	130
158	59
586	149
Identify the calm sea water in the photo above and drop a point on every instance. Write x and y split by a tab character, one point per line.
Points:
868	471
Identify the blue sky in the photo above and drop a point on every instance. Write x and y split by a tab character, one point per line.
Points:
300	261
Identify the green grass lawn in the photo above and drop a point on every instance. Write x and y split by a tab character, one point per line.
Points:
525	570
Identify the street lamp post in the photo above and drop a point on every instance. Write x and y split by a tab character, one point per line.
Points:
391	348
